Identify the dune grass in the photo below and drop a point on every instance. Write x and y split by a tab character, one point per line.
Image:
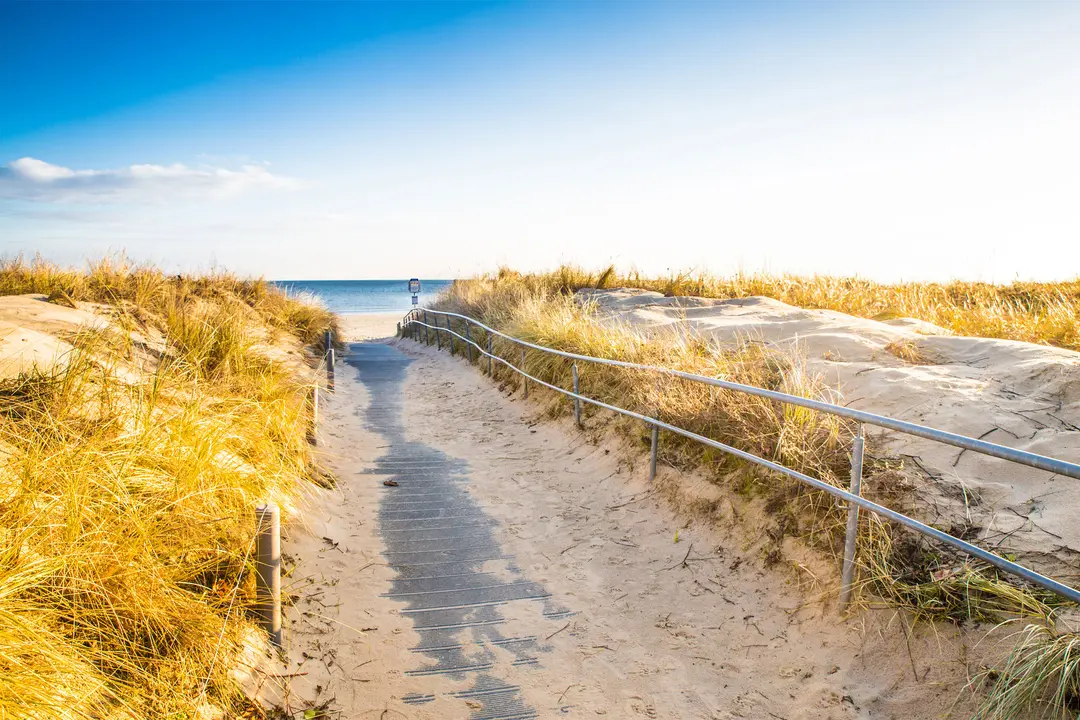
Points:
1041	674
128	477
895	566
146	293
1045	313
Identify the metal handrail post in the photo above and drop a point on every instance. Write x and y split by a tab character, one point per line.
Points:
468	342
848	572
427	336
489	355
329	360
652	452
438	334
526	395
577	401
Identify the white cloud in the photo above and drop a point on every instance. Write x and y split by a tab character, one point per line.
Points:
32	179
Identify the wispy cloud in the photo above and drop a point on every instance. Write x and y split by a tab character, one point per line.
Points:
36	180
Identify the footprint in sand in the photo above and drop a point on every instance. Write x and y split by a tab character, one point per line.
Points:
640	707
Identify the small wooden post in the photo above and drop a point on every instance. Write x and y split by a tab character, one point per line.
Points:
427	336
313	436
268	568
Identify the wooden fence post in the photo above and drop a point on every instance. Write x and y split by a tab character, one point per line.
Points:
268	568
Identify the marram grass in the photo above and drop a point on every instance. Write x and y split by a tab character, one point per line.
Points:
895	566
1041	676
1039	312
128	477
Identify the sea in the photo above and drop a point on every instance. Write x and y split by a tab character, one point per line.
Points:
365	296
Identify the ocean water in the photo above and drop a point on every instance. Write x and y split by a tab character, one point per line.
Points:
365	296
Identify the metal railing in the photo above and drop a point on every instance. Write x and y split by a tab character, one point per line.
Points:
412	324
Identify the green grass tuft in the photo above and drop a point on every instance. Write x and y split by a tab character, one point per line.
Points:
1040	677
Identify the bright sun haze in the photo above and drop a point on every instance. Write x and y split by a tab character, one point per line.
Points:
386	140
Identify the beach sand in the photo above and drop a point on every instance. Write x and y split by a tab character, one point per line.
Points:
682	630
357	327
32	332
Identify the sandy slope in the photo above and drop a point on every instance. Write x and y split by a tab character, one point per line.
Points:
665	629
1011	393
35	333
32	331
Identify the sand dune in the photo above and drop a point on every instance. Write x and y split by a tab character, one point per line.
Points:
1012	393
31	332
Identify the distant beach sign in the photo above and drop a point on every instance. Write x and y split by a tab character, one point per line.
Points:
414	288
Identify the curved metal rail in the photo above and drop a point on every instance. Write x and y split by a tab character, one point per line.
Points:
411	323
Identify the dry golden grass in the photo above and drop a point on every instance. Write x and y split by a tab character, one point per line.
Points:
1046	313
900	569
146	292
909	351
126	508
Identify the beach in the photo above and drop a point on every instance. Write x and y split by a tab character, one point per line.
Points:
357	327
679	597
523	360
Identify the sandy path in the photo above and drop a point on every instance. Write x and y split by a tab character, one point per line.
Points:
688	629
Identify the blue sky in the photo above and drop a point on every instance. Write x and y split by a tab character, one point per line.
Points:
332	140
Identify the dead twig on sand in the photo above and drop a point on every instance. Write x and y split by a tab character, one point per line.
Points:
564	693
907	641
961	453
557	631
632	500
683	563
